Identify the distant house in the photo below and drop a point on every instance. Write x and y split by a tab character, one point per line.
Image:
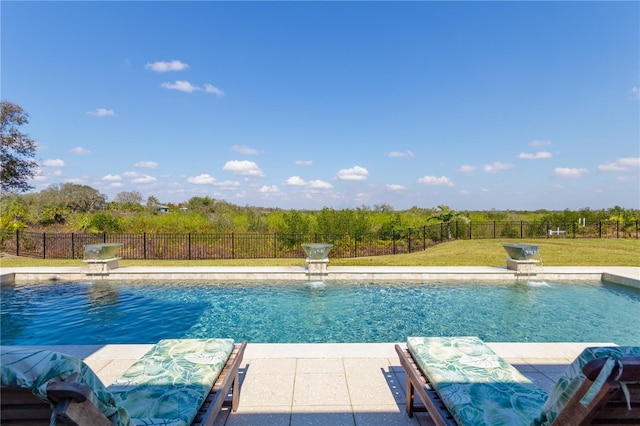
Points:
162	209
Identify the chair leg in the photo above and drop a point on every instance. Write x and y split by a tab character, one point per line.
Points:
409	396
235	391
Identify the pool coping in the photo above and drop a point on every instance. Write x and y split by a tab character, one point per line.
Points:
624	275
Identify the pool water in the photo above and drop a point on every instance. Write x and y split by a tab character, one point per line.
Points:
118	312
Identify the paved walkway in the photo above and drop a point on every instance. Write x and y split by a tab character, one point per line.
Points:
331	384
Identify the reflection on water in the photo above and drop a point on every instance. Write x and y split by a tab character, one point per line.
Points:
117	312
100	294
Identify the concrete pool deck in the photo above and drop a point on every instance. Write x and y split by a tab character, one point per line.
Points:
329	383
350	384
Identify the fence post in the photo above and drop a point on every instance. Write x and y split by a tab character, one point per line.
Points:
470	233
275	245
44	245
354	253
573	230
617	229
599	229
144	245
494	229
409	238
424	237
73	247
189	237
394	241
17	242
233	245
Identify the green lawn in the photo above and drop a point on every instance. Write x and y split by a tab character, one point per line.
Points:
554	252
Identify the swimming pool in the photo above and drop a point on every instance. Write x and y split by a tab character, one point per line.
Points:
108	312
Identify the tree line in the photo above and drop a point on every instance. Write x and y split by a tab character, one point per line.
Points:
72	207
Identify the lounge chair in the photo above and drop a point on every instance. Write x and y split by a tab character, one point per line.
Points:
461	381
178	382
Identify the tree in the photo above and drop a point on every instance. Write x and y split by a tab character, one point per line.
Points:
17	150
13	214
129	197
73	197
447	215
152	202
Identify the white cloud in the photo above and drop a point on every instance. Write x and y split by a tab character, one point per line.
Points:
433	180
538	155
244	150
146	164
315	184
627	178
116	184
162	66
395	187
303	163
131	175
620	165
203	179
102	112
467	168
207	179
635	92
228	185
569	172
53	163
320	184
464	192
539	143
399	154
185	86
144	179
243	168
496	167
79	150
112	178
210	88
181	85
611	167
295	181
630	161
269	189
354	173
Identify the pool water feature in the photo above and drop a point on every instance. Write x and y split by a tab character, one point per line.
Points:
108	312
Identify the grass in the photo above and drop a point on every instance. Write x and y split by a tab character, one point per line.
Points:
554	252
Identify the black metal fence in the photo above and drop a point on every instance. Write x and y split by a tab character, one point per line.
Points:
234	245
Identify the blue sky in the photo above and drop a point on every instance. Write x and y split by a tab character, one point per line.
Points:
304	105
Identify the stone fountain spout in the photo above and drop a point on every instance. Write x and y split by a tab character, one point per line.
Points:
317	259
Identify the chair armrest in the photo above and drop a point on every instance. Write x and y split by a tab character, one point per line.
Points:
78	392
